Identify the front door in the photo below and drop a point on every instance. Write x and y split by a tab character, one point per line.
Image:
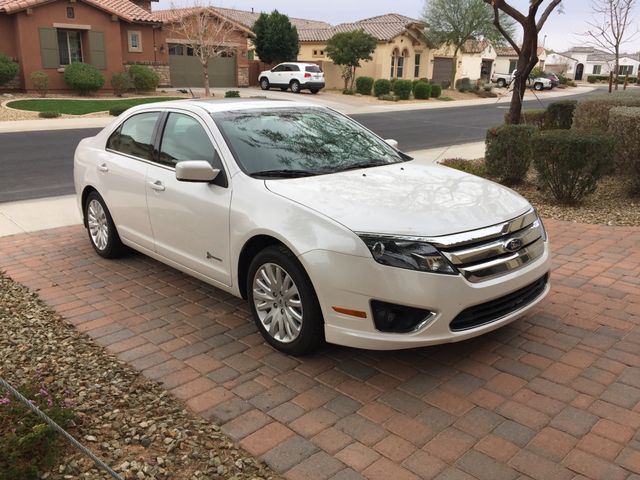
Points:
485	70
190	220
579	71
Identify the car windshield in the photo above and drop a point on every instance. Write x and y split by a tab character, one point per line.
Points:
292	142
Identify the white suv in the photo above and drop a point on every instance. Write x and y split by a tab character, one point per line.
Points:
296	76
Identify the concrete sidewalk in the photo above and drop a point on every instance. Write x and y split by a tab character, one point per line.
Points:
44	213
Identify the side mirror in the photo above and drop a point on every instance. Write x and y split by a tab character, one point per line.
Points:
392	142
196	171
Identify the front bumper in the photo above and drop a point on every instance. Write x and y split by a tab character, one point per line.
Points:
353	282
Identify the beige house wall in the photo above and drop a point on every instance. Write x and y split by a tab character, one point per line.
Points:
502	63
469	64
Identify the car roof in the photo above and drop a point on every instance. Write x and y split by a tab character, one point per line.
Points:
228	104
298	63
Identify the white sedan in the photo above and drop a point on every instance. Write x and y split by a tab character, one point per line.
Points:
328	231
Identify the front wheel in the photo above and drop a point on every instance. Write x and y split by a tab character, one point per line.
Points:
102	231
538	87
502	83
295	86
314	90
283	302
264	84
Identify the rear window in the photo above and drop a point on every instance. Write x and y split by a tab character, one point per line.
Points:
313	69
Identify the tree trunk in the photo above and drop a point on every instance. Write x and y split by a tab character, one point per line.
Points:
353	77
454	72
617	67
526	62
205	78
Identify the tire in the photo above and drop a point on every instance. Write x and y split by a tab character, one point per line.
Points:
264	83
284	89
296	330
102	232
538	87
502	83
314	90
295	86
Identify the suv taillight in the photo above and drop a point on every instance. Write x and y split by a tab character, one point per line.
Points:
307	75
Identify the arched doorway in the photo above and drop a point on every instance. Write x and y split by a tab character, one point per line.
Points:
579	71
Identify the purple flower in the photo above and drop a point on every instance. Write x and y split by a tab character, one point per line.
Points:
5	401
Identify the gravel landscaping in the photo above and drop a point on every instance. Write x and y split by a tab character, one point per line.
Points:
128	421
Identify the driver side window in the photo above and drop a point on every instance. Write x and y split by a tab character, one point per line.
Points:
184	138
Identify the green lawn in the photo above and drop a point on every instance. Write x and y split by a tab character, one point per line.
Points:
80	107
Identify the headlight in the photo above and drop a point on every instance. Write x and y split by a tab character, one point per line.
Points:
408	254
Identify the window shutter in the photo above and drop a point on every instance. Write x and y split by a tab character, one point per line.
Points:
49	48
96	50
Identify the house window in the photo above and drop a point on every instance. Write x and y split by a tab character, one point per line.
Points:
69	46
625	70
71	13
513	65
416	70
393	64
597	69
400	68
318	53
190	52
135	41
176	49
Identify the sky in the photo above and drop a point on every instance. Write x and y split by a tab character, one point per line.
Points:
562	30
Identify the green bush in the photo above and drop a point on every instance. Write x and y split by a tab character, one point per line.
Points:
8	69
593	113
474	167
393	84
117	110
536	118
49	114
28	446
83	78
624	126
422	91
348	91
570	162
381	87
121	83
402	89
571	83
436	90
40	82
592	79
463	85
560	114
364	85
232	94
144	78
508	155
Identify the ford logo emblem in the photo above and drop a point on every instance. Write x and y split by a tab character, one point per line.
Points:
513	245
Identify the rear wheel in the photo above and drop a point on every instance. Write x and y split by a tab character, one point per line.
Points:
264	84
315	90
283	302
295	86
502	83
102	231
538	86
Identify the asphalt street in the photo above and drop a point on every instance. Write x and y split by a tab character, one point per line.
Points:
40	164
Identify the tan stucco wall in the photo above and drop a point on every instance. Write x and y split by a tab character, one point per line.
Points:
469	64
151	43
7	38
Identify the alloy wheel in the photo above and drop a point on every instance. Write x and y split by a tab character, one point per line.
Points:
98	225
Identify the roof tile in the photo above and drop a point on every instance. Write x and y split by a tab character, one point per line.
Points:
124	9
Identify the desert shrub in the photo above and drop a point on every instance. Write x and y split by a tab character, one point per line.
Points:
144	78
393	84
464	85
8	69
388	97
562	79
232	94
402	89
28	446
422	91
117	110
40	82
121	83
624	127
560	114
570	162
571	83
49	114
364	85
593	113
381	87
83	78
536	118
348	91
591	79
508	154
474	167
445	84
436	90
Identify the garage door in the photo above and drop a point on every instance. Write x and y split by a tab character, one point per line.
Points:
442	69
186	70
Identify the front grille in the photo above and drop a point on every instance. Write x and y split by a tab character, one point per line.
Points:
488	312
484	254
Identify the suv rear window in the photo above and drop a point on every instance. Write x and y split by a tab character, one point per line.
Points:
313	69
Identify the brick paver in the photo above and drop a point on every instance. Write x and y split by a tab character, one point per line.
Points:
553	395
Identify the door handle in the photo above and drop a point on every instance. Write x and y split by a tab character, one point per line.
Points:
158	186
103	167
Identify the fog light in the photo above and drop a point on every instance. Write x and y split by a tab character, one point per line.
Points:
392	318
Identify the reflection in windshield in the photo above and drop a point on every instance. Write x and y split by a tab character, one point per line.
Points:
302	139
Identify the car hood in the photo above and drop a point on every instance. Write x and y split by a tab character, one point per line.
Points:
405	199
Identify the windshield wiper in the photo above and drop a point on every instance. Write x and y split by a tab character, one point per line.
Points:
285	173
365	164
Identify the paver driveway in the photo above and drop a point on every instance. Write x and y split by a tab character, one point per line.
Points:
555	395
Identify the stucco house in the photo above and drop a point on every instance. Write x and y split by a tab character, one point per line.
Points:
592	61
507	59
475	61
561	64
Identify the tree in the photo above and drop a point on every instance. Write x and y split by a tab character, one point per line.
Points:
348	49
207	33
8	69
610	26
531	25
454	22
276	39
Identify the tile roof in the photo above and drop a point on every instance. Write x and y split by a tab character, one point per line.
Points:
382	27
475	46
510	52
122	8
